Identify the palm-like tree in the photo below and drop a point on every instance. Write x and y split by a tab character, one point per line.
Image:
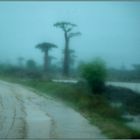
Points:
45	47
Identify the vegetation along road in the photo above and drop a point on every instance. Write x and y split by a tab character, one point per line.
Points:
24	114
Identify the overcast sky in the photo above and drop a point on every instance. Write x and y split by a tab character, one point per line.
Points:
110	30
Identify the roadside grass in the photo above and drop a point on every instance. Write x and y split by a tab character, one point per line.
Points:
96	108
129	99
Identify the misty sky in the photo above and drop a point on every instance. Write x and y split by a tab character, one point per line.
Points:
110	30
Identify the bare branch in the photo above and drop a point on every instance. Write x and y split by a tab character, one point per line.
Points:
74	34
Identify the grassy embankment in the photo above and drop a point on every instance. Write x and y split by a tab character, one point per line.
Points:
95	107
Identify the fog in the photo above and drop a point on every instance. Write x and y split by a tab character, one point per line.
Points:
110	30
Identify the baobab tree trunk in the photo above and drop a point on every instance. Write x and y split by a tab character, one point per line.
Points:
66	56
46	59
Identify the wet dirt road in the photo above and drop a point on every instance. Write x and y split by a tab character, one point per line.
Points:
24	114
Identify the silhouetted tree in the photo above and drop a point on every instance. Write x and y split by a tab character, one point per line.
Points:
31	65
45	47
72	56
32	69
50	60
67	28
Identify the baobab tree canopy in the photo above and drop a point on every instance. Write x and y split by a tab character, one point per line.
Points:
45	46
67	28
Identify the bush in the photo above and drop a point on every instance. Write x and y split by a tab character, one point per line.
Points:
95	74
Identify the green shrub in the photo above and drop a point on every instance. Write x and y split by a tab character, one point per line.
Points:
95	74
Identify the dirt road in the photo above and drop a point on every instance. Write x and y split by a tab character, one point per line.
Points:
24	114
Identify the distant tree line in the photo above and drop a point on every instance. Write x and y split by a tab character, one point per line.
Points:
125	74
27	69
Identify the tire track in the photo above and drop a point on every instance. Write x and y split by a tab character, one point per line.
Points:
43	118
12	123
12	116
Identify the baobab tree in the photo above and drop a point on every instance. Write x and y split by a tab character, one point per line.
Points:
67	28
72	56
51	58
45	48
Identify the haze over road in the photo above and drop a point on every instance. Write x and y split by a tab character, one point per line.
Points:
24	114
